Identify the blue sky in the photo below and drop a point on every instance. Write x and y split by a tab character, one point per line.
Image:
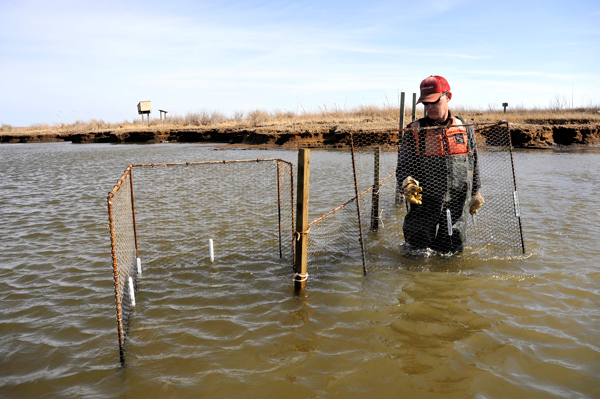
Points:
63	61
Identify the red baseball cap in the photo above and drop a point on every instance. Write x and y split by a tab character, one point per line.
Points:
432	88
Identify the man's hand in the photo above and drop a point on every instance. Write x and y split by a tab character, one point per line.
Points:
412	191
476	202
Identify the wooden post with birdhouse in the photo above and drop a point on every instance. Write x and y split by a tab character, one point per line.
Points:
144	109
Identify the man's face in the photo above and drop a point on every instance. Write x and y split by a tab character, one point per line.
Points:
438	111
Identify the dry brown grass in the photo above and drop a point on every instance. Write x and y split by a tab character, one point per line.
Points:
534	116
364	117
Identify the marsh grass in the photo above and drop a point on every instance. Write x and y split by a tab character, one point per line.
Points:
6	128
520	114
363	117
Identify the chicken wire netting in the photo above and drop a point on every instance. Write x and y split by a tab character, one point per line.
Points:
124	249
374	208
244	207
243	211
191	214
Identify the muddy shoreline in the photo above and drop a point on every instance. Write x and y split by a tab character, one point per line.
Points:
523	135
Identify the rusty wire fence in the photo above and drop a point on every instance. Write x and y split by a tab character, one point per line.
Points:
195	212
365	193
373	209
243	211
124	252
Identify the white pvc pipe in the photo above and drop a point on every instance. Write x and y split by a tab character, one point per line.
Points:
449	218
211	250
131	293
139	266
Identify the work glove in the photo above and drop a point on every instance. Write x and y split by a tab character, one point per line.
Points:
476	202
411	190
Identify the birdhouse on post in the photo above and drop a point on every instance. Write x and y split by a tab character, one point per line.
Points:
505	105
144	109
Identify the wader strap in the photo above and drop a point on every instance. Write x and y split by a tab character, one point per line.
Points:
469	143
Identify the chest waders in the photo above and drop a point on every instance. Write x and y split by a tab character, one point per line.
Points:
440	222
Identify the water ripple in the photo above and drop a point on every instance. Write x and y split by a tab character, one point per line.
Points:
470	328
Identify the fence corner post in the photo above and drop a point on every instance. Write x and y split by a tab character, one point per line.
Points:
300	262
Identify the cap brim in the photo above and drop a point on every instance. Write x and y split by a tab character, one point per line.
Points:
433	97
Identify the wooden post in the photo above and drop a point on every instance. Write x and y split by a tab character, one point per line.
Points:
358	213
414	107
376	179
300	262
401	111
505	105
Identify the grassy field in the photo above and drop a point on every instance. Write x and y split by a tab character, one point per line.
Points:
359	118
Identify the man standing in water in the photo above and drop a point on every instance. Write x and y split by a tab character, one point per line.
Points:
438	173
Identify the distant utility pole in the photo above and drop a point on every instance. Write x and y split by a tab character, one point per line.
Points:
505	105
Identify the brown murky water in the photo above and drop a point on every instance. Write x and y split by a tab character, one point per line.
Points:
524	327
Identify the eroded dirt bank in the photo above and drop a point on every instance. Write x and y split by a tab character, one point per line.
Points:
523	135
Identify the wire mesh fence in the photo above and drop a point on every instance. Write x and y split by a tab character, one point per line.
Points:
354	229
243	211
241	205
123	249
496	229
191	213
337	235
